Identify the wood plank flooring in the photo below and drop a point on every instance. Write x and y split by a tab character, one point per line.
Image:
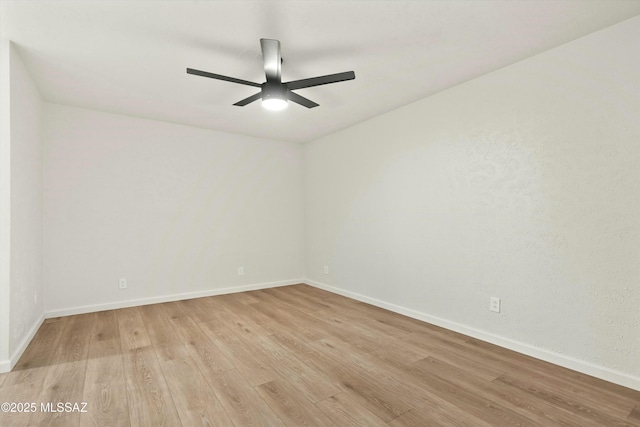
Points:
292	356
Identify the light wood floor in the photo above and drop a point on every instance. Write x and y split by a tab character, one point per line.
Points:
292	356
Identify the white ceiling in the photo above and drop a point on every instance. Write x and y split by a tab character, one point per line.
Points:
130	57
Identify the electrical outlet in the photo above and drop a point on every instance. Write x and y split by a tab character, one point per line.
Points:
122	283
326	269
240	271
494	304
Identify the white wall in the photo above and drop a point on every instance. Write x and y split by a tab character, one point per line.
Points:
5	201
21	208
173	209
26	206
523	184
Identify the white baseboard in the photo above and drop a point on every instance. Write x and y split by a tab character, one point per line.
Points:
166	298
7	365
569	362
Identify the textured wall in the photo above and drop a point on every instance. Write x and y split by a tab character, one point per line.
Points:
523	184
26	204
173	209
5	200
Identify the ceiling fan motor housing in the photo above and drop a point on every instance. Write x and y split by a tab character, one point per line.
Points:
274	90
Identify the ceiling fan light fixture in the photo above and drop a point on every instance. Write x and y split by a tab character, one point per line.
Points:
275	104
274	96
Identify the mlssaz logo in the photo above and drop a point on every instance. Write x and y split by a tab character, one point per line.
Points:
63	407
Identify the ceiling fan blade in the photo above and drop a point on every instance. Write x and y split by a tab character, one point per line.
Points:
322	80
221	77
301	100
272	59
249	100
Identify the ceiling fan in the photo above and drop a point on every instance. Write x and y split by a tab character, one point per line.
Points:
274	93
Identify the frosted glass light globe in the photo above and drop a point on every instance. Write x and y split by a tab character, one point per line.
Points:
275	104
